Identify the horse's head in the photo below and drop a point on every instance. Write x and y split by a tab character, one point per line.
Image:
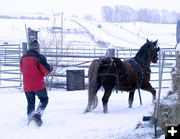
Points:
148	53
154	48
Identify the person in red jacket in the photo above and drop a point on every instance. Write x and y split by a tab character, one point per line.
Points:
34	68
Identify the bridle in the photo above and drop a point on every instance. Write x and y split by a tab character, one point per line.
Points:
154	56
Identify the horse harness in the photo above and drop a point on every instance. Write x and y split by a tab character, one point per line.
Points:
137	68
112	64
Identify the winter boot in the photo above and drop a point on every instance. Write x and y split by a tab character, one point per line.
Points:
37	118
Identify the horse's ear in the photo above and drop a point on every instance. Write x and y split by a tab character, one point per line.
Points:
155	43
147	40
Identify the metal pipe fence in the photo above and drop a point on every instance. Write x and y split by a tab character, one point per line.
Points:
75	59
10	75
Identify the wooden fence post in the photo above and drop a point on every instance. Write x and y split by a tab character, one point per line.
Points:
178	31
110	52
0	71
175	74
24	48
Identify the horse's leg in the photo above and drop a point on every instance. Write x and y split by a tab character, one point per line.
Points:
149	88
131	98
105	99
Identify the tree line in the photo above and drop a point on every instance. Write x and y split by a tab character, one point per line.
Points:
24	17
122	13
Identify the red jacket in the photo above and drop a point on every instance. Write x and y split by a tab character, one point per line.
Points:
34	67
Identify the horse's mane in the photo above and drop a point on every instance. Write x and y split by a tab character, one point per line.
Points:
143	55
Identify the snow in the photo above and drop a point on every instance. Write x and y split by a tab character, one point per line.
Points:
170	100
128	35
133	34
64	117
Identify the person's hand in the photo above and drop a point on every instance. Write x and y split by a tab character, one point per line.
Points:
51	68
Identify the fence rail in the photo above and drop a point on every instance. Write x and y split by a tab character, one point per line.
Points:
73	59
10	75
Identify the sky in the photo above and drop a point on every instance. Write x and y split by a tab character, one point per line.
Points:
80	7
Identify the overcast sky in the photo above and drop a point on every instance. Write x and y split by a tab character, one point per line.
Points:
80	7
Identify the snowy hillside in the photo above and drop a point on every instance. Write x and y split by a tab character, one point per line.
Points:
116	34
132	34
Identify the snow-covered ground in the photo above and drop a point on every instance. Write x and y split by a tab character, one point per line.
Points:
64	117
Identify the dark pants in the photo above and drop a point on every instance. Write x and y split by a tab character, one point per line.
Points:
43	97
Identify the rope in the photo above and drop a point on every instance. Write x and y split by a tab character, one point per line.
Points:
79	64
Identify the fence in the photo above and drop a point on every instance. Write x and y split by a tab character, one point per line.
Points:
9	65
75	59
169	60
78	59
70	59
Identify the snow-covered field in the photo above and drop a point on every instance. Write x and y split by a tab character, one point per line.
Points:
64	117
134	34
131	35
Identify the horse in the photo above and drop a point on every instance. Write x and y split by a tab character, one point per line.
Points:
128	75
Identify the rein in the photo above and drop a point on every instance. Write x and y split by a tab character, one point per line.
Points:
79	64
139	73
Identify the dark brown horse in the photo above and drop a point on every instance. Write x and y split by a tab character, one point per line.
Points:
129	75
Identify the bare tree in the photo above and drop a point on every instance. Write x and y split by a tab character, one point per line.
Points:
51	46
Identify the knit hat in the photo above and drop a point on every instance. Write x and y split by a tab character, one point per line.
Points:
33	45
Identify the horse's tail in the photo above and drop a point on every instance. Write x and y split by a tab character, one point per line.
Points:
92	89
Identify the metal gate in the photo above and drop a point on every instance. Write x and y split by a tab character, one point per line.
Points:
10	55
10	75
168	59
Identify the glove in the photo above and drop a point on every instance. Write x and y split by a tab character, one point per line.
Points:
51	68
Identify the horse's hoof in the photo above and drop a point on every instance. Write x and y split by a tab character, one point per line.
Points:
86	111
105	109
105	112
130	105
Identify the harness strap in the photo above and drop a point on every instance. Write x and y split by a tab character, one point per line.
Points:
112	64
139	73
